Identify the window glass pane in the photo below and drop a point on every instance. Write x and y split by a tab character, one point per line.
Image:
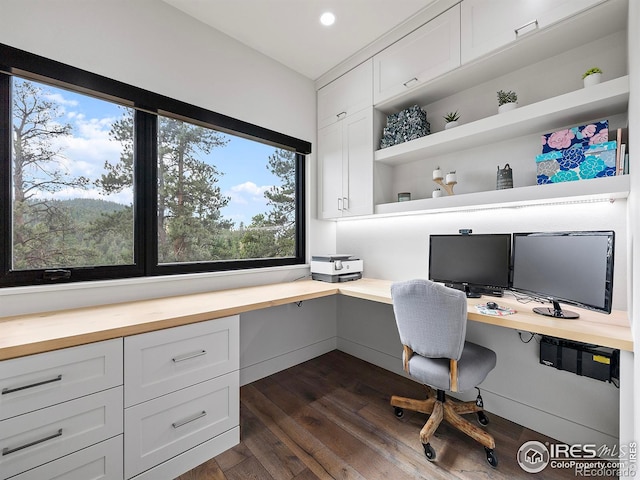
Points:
222	197
72	200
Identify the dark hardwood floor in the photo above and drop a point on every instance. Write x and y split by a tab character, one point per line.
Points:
330	418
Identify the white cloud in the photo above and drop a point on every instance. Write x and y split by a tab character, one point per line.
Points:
247	193
59	99
85	152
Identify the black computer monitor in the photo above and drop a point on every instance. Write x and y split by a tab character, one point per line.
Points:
568	267
474	260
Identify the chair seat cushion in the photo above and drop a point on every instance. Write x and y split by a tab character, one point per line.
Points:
473	367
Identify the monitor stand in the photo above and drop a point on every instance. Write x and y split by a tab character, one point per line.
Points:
556	311
471	294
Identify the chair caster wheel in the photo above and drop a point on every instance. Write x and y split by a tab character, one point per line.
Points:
491	457
482	419
399	412
429	452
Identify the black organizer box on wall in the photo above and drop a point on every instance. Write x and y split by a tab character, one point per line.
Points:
593	361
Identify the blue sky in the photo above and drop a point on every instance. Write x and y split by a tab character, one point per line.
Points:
243	162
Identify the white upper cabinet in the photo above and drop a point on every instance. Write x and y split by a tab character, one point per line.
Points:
429	51
347	94
345	165
487	25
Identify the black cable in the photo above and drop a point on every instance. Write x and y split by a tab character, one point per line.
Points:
533	335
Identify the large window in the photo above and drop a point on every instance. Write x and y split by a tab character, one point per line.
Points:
96	186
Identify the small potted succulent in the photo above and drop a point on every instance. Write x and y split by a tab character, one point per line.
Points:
451	119
506	101
592	76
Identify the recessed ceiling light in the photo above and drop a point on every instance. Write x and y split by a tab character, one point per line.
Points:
327	19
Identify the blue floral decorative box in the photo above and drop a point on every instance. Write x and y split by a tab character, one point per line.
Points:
584	135
578	162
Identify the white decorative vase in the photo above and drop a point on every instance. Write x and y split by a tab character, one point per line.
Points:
592	79
449	125
505	107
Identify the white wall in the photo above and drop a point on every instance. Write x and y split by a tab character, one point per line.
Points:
151	45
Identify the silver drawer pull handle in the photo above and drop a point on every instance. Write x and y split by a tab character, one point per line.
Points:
31	385
532	22
188	356
409	82
7	450
189	420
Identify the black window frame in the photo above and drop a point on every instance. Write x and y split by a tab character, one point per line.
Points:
148	106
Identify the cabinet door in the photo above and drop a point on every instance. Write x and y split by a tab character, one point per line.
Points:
159	429
38	437
330	171
487	25
358	164
102	461
348	94
36	381
163	361
426	53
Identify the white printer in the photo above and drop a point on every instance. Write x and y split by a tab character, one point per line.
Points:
335	268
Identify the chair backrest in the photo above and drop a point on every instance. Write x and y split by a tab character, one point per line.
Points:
431	318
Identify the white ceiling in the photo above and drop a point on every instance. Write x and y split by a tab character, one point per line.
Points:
290	32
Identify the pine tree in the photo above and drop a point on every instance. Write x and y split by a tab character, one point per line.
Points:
189	200
274	234
43	231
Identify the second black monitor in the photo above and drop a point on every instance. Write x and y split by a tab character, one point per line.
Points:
481	260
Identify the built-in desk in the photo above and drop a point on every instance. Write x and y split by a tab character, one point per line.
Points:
35	333
611	330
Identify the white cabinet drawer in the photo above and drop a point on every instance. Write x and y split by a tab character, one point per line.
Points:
167	360
102	461
169	425
37	381
34	438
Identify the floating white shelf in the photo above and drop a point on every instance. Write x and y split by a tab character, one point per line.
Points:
596	189
599	101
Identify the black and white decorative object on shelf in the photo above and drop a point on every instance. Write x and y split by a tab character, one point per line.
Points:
507	101
504	177
405	126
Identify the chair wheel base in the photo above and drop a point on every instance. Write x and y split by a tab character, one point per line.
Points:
482	419
429	452
399	412
491	457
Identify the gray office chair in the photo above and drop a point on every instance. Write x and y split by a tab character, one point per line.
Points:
432	322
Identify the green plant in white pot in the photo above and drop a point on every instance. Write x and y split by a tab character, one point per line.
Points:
507	101
451	119
593	76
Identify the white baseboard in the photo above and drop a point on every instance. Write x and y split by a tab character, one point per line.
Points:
526	415
251	373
